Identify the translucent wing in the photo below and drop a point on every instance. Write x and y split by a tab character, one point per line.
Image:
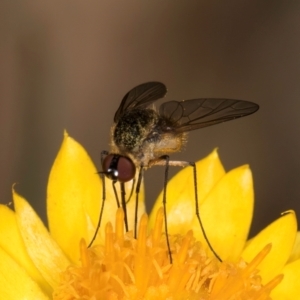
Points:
198	113
141	96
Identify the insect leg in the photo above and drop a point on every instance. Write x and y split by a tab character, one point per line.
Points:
166	160
103	153
163	162
137	191
123	194
192	164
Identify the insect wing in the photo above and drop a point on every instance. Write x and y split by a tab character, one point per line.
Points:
199	113
141	96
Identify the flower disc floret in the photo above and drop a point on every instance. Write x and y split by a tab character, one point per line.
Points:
127	268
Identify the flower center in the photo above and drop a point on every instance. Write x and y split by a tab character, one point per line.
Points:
127	268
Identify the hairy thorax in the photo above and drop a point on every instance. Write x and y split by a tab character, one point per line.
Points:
144	136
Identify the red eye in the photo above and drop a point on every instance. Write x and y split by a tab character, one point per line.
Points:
118	168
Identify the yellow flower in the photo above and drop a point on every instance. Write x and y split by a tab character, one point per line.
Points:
38	264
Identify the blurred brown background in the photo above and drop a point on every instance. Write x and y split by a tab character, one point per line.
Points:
67	64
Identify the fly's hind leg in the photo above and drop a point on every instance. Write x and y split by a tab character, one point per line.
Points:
164	161
137	191
193	164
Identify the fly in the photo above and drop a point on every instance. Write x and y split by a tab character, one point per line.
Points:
143	137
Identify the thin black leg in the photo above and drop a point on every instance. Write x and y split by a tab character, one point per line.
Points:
164	161
103	153
123	194
167	159
137	191
198	213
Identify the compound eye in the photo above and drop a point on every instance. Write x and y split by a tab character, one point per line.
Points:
126	169
117	167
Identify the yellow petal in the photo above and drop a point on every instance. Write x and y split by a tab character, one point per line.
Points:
15	283
296	249
75	196
74	189
181	195
227	213
42	249
281	234
289	288
12	243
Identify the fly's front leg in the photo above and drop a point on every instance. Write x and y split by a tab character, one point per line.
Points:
124	207
103	154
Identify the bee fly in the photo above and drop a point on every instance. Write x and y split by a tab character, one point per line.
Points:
143	137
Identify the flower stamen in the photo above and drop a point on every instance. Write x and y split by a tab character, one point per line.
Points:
85	262
126	268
